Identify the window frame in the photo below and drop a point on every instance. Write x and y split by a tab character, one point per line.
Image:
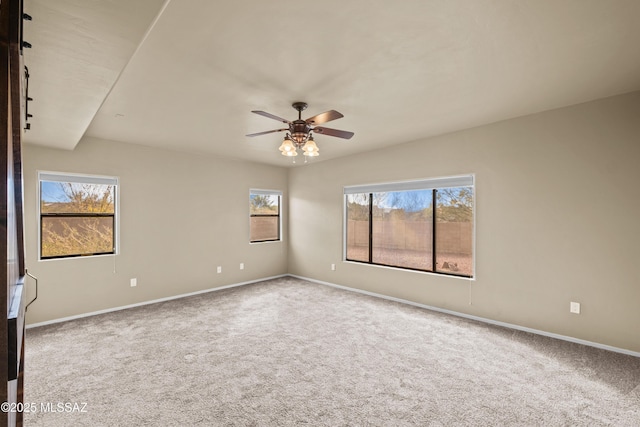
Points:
423	184
263	192
68	177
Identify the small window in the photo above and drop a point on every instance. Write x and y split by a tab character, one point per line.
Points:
425	225
264	211
77	215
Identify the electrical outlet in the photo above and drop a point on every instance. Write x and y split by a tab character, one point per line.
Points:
574	307
134	282
242	266
219	269
333	267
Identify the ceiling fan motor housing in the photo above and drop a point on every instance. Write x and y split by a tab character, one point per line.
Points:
299	131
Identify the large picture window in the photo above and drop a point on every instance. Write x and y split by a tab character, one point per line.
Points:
424	225
264	213
77	215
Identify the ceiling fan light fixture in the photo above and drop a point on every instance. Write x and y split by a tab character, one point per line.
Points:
310	148
287	146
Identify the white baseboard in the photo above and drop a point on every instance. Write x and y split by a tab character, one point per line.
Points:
480	319
139	304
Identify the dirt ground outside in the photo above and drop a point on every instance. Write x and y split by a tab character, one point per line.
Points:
461	264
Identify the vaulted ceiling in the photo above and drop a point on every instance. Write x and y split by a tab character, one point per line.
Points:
185	74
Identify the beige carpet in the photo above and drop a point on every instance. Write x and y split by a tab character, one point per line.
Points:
290	352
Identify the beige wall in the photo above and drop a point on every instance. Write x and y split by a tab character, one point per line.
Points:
557	220
181	216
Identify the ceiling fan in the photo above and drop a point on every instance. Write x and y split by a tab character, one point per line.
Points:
300	132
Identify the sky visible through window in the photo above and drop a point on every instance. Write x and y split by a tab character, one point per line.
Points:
53	192
58	192
416	200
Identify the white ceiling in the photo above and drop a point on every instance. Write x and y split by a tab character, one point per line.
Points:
185	74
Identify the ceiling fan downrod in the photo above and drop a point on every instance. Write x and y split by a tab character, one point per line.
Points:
300	106
299	129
